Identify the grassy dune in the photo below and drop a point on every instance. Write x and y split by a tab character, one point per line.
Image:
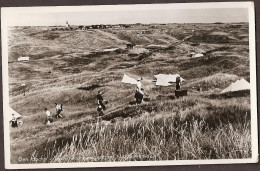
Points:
70	67
184	129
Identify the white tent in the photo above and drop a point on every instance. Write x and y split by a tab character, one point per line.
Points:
11	112
166	79
198	55
128	80
241	84
162	82
110	50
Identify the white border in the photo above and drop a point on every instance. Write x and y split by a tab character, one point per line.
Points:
10	10
134	7
5	81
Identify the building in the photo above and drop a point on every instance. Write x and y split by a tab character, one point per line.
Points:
130	46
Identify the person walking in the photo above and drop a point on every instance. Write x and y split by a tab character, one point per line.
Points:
58	108
48	119
100	110
100	100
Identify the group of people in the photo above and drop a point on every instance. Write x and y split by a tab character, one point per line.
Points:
49	120
139	94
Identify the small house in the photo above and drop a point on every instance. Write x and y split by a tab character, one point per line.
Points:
116	27
130	46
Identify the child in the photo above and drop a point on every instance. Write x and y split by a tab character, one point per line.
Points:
14	122
48	119
100	110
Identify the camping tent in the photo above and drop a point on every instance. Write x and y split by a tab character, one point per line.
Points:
198	55
166	79
12	111
128	80
162	82
241	84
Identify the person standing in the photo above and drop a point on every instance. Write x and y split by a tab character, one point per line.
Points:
100	100
178	83
14	121
139	85
48	119
139	94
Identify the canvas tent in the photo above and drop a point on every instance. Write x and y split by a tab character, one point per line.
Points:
166	79
11	112
128	80
241	84
110	50
198	55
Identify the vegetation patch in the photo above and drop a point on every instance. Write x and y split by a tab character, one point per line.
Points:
91	87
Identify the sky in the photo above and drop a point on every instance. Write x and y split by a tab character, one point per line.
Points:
125	15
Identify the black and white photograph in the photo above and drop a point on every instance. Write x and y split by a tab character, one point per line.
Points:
129	85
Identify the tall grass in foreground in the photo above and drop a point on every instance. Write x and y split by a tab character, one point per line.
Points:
207	130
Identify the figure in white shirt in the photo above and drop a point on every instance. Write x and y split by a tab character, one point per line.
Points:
139	85
139	94
48	119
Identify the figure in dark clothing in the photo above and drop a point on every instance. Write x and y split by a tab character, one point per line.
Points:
178	83
138	96
100	100
100	110
14	122
58	108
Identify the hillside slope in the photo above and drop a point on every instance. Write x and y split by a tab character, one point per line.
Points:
70	67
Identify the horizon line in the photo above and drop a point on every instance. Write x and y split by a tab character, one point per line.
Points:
245	22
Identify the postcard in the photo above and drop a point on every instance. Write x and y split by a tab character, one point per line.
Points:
129	85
